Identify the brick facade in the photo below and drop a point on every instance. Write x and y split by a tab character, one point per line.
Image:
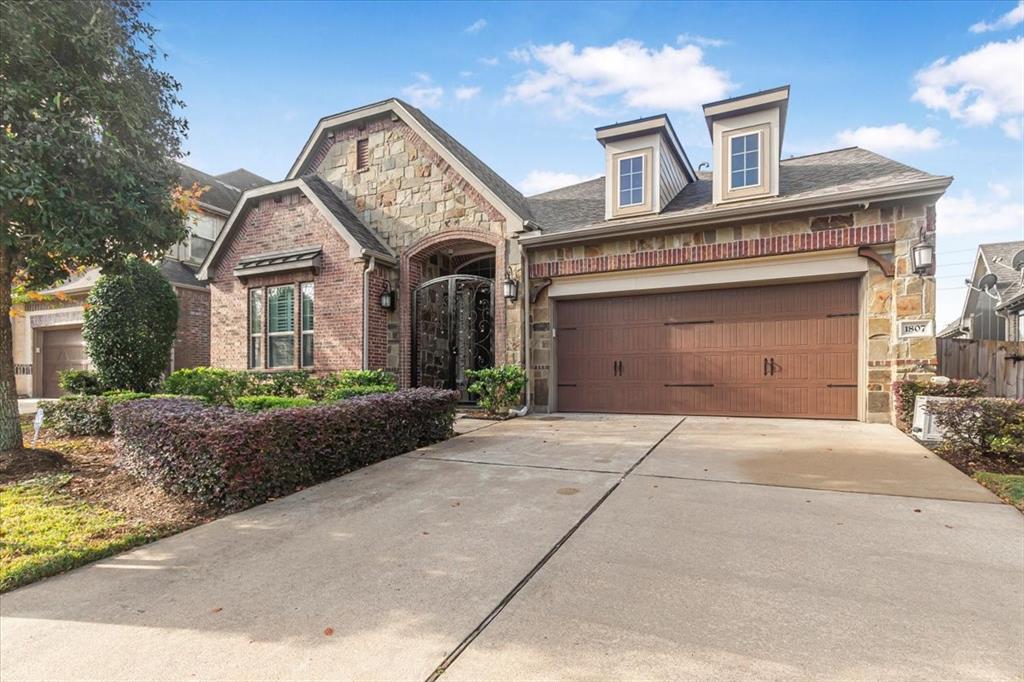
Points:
280	225
192	340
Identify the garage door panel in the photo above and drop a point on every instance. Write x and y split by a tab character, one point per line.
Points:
710	352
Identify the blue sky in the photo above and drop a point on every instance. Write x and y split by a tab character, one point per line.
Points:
937	86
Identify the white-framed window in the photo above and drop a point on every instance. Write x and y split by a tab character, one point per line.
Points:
255	328
631	181
281	326
306	358
745	160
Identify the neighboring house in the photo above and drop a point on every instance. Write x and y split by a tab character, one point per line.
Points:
770	287
995	296
48	333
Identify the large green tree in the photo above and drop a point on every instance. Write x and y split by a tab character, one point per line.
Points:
89	130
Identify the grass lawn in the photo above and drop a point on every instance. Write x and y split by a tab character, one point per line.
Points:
44	531
66	503
1010	487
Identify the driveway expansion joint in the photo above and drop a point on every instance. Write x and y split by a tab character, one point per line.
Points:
995	502
507	599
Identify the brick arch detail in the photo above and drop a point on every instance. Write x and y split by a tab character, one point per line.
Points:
410	276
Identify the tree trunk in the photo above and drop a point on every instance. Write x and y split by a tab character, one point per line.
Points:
10	428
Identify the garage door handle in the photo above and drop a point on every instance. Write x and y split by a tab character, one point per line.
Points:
766	367
771	363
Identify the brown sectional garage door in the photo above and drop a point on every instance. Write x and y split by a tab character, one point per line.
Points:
771	351
63	349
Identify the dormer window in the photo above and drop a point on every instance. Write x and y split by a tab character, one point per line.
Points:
631	181
745	166
746	139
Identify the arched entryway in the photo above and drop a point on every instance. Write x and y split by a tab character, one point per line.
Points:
452	316
453	330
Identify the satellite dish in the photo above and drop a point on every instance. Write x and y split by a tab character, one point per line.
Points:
987	282
1018	260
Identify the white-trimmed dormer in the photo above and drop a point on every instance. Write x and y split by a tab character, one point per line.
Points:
746	137
645	166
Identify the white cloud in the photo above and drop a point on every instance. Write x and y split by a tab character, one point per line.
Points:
1013	128
465	74
1008	20
703	41
520	54
488	61
424	93
978	88
537	181
999	189
891	138
476	26
466	93
570	79
994	214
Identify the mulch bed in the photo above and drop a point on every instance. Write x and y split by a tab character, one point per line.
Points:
970	465
96	479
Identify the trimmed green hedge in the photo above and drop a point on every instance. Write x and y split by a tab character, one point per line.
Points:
226	387
255	403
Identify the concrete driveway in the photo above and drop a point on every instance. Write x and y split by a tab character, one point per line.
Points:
568	547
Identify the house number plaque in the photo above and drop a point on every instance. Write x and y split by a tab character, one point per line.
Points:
910	329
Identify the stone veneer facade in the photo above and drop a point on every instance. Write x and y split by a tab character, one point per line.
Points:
892	232
411	198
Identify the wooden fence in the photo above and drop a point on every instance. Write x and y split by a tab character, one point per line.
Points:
1000	364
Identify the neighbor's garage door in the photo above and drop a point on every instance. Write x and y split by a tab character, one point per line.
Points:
63	349
772	351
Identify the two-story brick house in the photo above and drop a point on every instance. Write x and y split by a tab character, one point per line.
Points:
768	286
48	333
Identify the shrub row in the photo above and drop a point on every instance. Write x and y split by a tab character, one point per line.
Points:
990	428
86	415
231	459
225	387
906	391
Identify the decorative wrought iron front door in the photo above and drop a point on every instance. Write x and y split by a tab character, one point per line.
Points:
453	331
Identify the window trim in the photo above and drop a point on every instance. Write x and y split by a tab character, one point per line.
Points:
764	152
760	150
647	153
312	325
265	334
643	180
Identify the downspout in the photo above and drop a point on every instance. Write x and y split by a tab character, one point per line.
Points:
370	267
526	333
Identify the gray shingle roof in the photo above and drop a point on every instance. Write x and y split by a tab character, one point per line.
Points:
497	184
816	175
326	192
242	179
220	193
177	272
999	258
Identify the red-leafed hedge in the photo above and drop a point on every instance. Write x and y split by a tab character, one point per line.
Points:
232	459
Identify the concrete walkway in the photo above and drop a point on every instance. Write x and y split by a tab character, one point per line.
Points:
567	547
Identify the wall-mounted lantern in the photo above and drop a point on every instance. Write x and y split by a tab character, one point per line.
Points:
923	258
388	296
511	286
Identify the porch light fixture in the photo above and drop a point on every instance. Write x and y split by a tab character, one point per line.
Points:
387	297
923	258
511	286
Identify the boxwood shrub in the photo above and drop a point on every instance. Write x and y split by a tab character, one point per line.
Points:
255	403
231	459
80	382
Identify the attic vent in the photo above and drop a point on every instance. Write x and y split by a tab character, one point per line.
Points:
362	154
